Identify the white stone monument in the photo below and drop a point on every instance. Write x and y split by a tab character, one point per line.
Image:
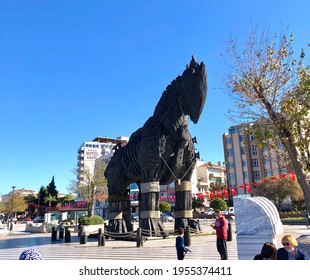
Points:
257	222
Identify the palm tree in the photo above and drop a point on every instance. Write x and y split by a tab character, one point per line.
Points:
49	198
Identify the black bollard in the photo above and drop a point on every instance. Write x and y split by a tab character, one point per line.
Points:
61	233
67	235
101	241
83	236
187	236
54	234
79	229
139	238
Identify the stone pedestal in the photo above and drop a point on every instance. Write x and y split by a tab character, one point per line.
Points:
257	222
251	245
304	243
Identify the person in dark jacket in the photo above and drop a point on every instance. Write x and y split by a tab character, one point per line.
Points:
221	229
290	251
179	244
268	252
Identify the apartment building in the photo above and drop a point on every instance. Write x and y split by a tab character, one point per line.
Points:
246	163
209	174
89	152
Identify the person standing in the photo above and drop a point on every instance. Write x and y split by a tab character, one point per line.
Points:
290	251
179	244
221	229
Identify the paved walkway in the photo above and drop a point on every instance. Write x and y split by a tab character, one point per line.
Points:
203	246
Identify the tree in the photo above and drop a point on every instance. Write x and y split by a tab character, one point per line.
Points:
49	199
218	204
41	199
278	189
92	183
31	200
164	206
52	192
272	88
197	203
18	203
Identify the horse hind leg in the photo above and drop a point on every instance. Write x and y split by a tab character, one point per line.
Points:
119	213
119	206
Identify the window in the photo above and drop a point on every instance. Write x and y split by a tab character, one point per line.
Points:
244	163
231	177
251	138
245	175
232	130
253	151
243	150
228	140
266	160
229	153
268	173
231	165
255	162
256	175
241	138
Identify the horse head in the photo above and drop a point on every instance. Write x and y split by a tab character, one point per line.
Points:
192	88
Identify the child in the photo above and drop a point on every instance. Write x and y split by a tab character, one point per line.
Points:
179	244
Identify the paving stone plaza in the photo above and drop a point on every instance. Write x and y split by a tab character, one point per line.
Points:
203	246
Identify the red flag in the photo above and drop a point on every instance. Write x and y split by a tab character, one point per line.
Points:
292	175
226	192
212	195
283	176
201	197
219	193
233	191
241	187
255	184
265	180
274	178
248	188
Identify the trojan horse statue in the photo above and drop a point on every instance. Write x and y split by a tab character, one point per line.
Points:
160	152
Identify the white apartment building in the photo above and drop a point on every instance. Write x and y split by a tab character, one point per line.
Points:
89	152
208	174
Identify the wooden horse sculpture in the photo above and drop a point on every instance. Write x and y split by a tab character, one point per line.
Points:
160	152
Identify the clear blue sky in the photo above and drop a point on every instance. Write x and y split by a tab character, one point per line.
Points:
74	70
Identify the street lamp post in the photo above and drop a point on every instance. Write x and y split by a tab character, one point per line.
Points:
229	237
11	222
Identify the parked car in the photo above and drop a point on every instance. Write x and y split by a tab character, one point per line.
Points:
38	219
27	219
231	210
166	218
134	217
209	212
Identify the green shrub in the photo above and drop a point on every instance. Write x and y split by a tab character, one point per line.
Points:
93	220
164	206
218	204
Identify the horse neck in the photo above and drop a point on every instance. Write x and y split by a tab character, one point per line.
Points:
168	111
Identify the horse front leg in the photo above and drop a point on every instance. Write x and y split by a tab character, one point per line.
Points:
183	190
149	221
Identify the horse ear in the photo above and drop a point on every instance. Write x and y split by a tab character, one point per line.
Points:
193	63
